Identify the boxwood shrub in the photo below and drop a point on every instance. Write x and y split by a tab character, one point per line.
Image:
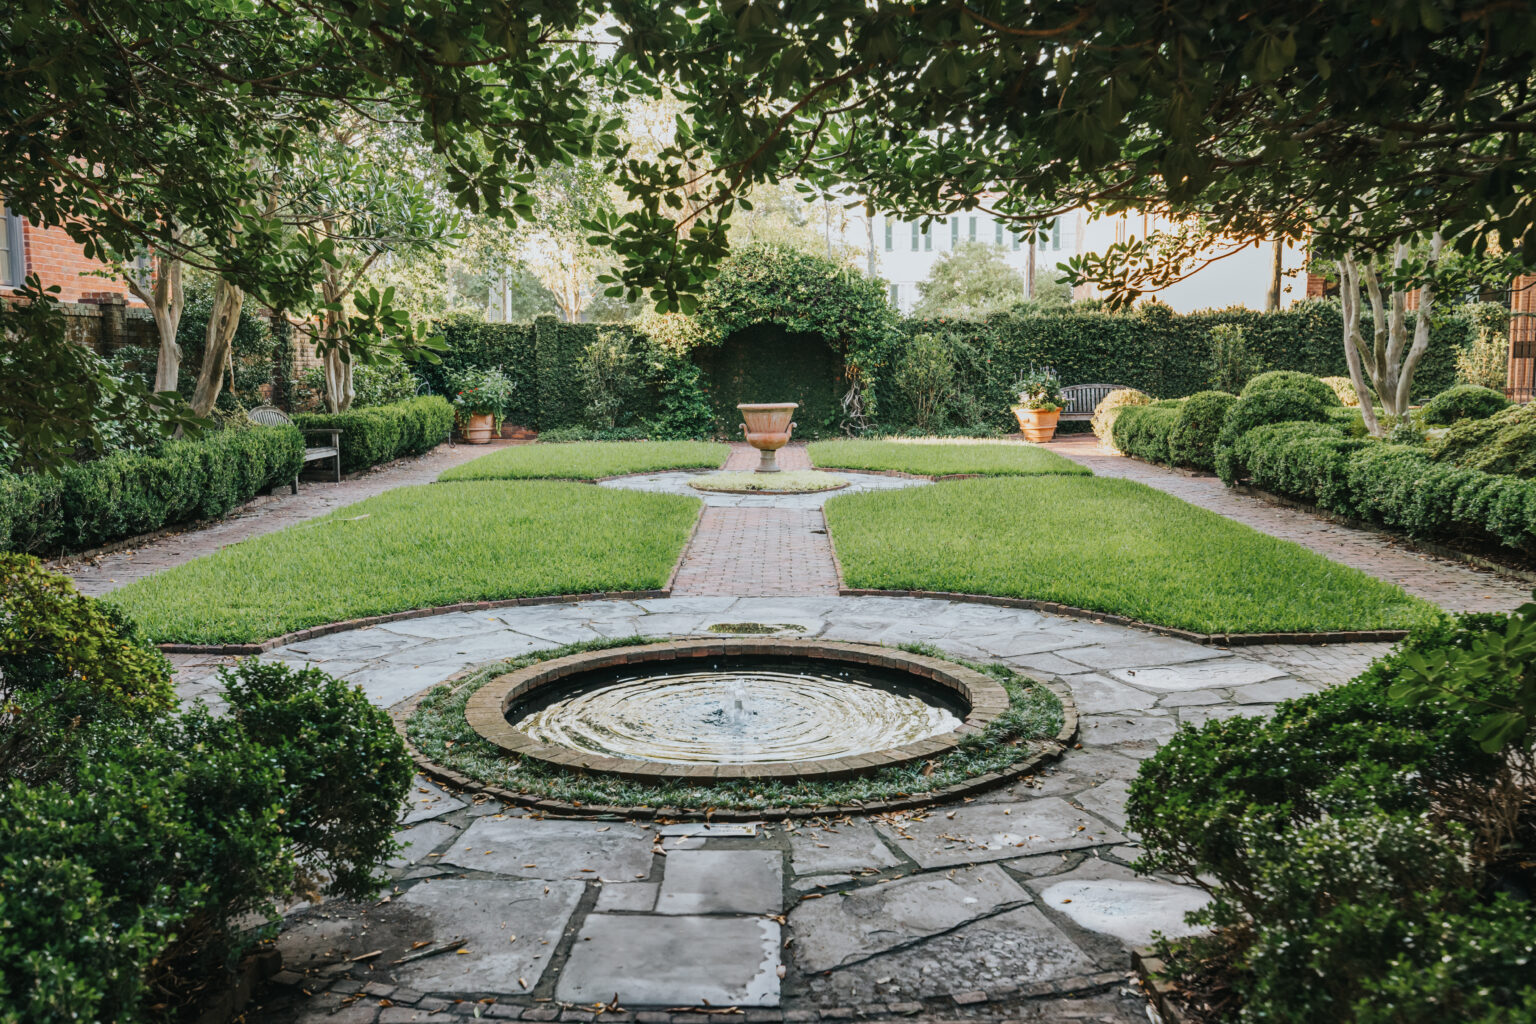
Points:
384	432
129	871
1142	431
1292	380
1352	844
1502	443
1193	439
1463	402
93	503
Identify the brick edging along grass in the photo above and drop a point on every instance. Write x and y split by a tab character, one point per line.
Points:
1049	751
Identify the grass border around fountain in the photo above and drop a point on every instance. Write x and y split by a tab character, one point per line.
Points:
1038	724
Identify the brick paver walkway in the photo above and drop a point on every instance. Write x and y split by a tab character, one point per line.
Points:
262	515
1454	586
759	552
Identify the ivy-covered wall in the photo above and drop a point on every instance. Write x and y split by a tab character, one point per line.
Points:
766	363
476	345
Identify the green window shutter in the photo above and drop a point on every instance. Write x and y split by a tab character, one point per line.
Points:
889	231
915	231
954	232
1056	233
973	229
998	226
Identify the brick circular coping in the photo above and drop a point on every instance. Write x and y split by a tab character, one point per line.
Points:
487	709
1044	752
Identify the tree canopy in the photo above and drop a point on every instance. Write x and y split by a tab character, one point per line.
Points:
969	282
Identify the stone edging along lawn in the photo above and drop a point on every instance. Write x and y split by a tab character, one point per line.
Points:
1050	750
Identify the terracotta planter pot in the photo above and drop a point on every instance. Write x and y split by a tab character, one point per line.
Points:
478	428
767	428
1038	427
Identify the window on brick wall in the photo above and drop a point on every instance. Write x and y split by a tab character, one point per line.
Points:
13	261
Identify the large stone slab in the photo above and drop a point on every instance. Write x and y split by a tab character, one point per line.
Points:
427	800
442	627
1111	899
1017	947
418	841
722	882
1107	800
842	929
387	683
850	846
983	831
1133	650
487	913
552	848
1219	673
643	960
1136	736
1096	694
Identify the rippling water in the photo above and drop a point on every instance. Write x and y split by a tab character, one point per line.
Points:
737	717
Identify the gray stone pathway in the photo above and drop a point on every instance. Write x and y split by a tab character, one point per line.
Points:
677	483
1016	905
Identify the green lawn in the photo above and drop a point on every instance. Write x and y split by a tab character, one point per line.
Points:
418	547
588	460
1109	545
942	457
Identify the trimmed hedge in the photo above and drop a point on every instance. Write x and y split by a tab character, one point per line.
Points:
1463	402
1143	431
384	432
1397	486
1193	439
1282	405
1290	380
94	503
1503	443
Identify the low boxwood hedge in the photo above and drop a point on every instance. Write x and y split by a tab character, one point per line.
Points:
129	493
1293	380
1463	402
1397	486
1142	431
1193	439
383	432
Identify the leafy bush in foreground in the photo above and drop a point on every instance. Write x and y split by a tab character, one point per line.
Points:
1193	439
134	841
1351	843
1143	431
1263	407
1108	410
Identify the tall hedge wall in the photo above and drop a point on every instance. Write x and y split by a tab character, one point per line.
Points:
1162	353
769	364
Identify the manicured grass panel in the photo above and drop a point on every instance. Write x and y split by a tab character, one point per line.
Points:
418	547
942	458
1108	545
588	460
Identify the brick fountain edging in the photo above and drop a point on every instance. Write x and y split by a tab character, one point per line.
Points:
487	708
1049	750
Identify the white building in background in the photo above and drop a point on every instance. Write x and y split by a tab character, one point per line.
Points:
904	252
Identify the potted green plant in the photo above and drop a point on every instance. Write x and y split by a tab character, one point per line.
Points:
1039	406
480	400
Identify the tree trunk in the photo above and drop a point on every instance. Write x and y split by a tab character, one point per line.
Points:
165	300
336	358
1276	272
223	321
1392	356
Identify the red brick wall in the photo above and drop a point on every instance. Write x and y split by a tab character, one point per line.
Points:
57	260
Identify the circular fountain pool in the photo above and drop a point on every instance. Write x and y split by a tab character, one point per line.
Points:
716	709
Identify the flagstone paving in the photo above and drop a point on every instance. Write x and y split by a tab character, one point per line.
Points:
958	911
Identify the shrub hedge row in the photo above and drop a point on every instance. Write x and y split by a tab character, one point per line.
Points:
1392	485
380	433
130	493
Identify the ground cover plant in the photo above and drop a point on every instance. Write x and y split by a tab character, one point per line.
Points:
589	460
142	847
438	729
941	457
798	481
418	547
1109	545
1368	848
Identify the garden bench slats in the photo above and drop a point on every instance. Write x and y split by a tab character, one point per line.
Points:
1081	399
268	416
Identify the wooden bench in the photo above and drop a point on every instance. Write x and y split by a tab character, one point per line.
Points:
267	416
1079	400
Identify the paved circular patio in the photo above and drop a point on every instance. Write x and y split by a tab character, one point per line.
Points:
1017	904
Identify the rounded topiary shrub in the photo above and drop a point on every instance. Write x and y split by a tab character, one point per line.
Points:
1292	380
1344	388
1504	443
1193	440
1463	402
1277	405
1107	411
1142	431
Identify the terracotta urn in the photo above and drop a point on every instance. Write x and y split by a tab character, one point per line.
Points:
768	428
478	428
1038	427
